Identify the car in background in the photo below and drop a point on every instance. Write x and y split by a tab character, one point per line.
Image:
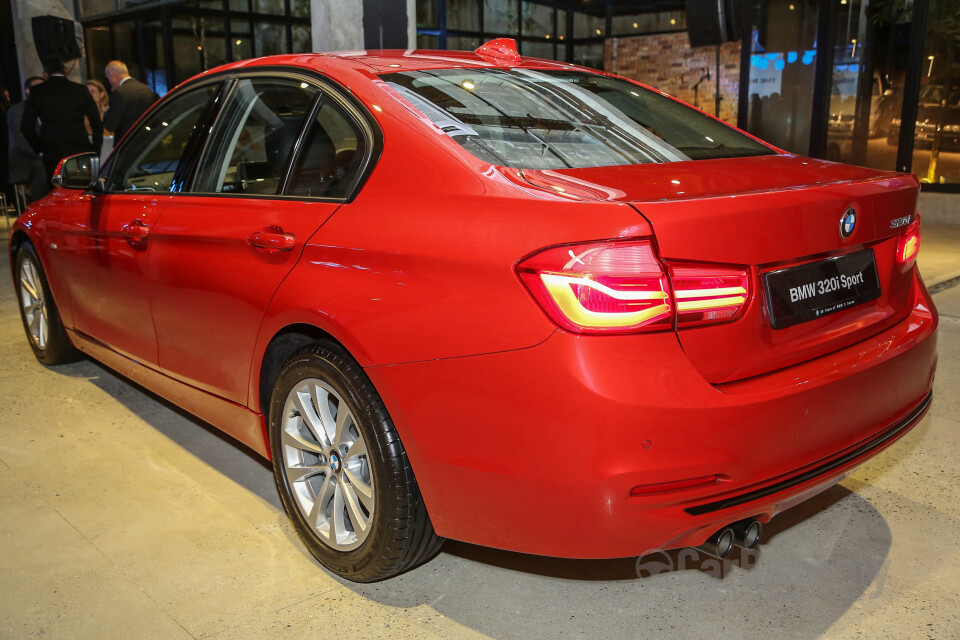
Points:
938	108
503	300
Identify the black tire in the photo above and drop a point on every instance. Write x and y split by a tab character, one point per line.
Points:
48	339
397	534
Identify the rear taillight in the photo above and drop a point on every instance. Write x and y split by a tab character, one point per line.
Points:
706	294
909	245
621	287
610	287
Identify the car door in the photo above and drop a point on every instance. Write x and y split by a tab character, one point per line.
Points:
222	248
103	239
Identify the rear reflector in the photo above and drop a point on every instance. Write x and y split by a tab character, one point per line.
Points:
676	485
621	287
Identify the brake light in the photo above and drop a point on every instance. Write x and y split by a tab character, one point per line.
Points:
909	245
622	287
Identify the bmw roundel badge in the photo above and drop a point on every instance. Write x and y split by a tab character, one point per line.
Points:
848	221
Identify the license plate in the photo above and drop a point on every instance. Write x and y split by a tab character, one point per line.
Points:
814	290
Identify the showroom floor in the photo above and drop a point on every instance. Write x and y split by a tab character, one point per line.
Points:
125	518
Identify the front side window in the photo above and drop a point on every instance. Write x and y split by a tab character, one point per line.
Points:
532	119
254	136
150	154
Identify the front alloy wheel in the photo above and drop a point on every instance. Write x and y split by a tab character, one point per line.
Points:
41	320
33	303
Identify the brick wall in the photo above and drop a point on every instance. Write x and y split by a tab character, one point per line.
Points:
668	63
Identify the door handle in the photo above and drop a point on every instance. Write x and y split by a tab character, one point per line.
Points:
136	230
272	238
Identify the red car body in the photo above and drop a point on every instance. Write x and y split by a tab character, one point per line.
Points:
523	435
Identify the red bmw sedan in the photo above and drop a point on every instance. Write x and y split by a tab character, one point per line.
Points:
503	300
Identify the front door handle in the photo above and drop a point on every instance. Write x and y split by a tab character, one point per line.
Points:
136	230
272	238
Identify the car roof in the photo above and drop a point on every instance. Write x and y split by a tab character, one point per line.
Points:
391	60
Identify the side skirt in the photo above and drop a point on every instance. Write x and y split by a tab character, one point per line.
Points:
233	419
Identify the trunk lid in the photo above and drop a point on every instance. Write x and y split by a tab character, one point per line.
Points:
767	213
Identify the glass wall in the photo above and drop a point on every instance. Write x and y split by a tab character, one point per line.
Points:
936	149
782	71
542	28
164	44
139	43
871	49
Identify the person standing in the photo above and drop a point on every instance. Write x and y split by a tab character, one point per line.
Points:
26	167
60	105
130	98
99	94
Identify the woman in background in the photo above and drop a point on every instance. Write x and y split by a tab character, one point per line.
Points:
99	94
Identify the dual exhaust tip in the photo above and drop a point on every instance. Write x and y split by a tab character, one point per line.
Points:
744	534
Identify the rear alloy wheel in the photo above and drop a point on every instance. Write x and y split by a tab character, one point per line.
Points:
41	320
326	464
341	470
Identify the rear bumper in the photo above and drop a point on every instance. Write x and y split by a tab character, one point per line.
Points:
537	450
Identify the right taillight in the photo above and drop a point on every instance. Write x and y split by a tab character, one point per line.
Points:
909	245
622	287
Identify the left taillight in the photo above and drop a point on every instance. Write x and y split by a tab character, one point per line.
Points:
622	287
909	245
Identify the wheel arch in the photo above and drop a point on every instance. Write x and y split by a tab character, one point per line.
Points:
17	240
279	349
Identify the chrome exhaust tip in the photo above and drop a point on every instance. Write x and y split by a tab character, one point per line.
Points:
747	533
719	545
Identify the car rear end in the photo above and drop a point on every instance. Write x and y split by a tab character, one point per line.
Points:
766	333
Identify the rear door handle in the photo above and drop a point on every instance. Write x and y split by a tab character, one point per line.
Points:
136	230
272	238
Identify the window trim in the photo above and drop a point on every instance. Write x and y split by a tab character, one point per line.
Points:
327	87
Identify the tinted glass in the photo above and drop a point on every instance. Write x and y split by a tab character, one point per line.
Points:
254	136
565	119
151	153
331	157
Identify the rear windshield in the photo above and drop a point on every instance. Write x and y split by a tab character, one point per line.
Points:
530	119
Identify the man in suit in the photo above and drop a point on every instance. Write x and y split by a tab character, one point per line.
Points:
26	167
60	105
128	100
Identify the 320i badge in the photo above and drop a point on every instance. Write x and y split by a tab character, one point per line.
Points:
492	298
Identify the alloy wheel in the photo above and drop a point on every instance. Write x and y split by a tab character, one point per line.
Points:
326	464
34	304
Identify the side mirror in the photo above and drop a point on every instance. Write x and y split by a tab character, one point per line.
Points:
78	172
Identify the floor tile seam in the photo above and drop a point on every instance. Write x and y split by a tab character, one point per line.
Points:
238	625
120	569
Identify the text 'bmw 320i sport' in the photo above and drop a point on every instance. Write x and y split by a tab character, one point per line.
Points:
508	301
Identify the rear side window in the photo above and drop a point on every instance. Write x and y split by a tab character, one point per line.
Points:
331	156
254	136
531	119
